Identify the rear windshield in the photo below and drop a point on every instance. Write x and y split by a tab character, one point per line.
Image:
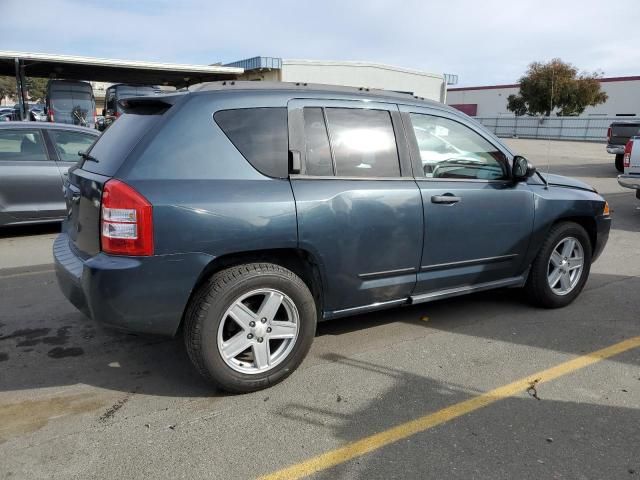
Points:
117	141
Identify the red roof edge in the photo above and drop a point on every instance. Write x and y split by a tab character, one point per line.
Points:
484	87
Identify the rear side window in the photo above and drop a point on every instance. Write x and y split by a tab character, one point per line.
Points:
363	142
260	134
117	141
22	145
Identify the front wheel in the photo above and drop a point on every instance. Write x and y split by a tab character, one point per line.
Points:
620	162
250	326
561	267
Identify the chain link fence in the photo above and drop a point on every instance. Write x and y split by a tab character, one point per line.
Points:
591	129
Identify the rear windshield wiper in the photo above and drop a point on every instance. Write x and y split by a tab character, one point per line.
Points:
88	157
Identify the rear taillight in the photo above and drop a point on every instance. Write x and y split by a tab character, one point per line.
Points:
609	135
127	221
50	113
626	159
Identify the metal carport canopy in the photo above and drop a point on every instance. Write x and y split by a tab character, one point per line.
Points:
111	70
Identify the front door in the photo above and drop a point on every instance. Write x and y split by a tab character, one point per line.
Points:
359	209
477	221
30	182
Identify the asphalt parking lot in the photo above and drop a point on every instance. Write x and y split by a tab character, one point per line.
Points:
437	390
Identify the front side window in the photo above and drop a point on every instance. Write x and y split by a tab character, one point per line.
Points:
23	145
363	142
449	149
261	136
68	144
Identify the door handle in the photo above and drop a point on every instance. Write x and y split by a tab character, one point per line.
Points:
447	199
295	161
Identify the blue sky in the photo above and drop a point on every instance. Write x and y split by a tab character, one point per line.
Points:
483	41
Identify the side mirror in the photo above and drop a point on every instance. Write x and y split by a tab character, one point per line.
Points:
522	168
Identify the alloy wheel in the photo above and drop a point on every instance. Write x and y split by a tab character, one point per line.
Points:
258	331
565	266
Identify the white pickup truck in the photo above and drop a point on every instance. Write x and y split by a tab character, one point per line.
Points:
631	162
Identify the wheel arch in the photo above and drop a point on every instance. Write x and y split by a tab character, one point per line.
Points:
299	261
586	222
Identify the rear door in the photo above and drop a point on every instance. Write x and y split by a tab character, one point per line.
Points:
30	182
359	209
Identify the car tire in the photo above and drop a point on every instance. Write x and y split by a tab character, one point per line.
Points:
210	314
543	271
620	162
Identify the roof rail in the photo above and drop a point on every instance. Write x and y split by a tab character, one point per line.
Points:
319	87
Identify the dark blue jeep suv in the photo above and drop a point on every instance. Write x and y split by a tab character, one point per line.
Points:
243	213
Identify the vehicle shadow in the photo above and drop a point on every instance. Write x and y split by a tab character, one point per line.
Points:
30	230
70	349
517	437
42	348
625	211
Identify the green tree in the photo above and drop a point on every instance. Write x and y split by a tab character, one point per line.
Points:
7	87
36	88
556	86
517	105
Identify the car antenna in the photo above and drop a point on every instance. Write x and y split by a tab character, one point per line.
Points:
553	72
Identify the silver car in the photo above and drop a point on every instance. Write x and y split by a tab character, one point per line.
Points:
631	163
34	159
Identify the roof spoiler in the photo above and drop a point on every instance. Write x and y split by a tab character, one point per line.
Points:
149	105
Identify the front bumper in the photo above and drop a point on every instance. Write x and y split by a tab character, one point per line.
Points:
603	226
629	181
137	294
615	149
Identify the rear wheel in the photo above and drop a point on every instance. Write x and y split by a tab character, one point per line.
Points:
620	162
250	326
561	268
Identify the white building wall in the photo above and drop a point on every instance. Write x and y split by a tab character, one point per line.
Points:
370	75
624	98
491	102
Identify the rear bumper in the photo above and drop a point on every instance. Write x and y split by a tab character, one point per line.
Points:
629	181
603	226
137	294
615	149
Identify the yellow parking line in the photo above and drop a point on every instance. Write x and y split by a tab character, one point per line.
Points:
378	440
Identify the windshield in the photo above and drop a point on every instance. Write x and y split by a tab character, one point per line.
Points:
72	107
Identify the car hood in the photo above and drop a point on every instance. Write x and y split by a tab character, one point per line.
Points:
562	181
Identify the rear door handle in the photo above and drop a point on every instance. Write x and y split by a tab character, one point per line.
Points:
447	199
